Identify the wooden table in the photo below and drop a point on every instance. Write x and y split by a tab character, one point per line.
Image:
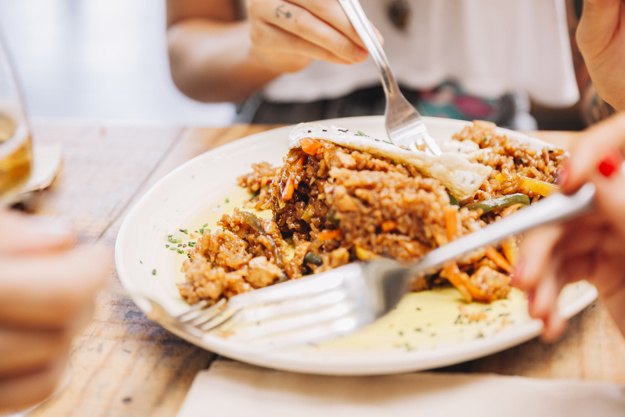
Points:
126	365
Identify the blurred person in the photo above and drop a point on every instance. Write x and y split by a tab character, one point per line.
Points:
47	291
301	60
590	248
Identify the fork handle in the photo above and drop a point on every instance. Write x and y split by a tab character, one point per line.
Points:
554	209
361	24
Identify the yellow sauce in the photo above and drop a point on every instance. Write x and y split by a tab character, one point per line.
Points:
431	319
422	320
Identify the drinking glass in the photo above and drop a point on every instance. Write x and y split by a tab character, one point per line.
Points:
16	155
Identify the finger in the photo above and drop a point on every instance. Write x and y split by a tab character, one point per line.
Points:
272	40
535	255
48	291
610	198
554	327
544	298
300	22
332	13
543	304
30	389
24	351
587	153
23	234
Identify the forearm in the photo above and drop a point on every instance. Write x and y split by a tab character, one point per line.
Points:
214	61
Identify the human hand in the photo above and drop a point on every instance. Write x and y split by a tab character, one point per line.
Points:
288	35
601	40
591	247
46	296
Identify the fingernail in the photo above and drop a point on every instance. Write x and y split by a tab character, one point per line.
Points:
518	273
563	175
610	163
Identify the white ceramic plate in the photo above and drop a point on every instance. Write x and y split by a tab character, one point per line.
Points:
427	330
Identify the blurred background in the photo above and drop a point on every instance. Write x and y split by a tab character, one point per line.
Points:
107	60
98	59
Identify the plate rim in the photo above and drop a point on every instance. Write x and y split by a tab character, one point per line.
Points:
337	364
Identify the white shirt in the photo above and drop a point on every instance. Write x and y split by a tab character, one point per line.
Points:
490	47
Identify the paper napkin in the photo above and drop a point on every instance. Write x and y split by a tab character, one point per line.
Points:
231	388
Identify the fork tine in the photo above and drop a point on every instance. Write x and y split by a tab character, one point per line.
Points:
231	317
290	323
199	309
290	307
400	115
218	320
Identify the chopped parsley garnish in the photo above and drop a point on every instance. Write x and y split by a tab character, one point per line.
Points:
154	272
227	200
185	231
361	133
172	240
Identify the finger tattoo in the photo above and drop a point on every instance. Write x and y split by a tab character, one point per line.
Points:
281	11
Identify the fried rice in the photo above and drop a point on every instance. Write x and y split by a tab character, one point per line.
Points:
333	205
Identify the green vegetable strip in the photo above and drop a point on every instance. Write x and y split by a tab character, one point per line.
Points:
499	202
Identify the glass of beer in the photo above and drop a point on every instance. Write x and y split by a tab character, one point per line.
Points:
16	155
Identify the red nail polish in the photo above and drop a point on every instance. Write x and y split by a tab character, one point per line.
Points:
563	175
610	164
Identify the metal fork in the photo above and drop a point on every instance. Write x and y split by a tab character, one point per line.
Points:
345	299
318	307
404	125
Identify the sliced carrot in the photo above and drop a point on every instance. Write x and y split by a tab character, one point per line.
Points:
389	225
539	187
457	279
289	188
510	249
310	146
500	261
451	222
329	234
